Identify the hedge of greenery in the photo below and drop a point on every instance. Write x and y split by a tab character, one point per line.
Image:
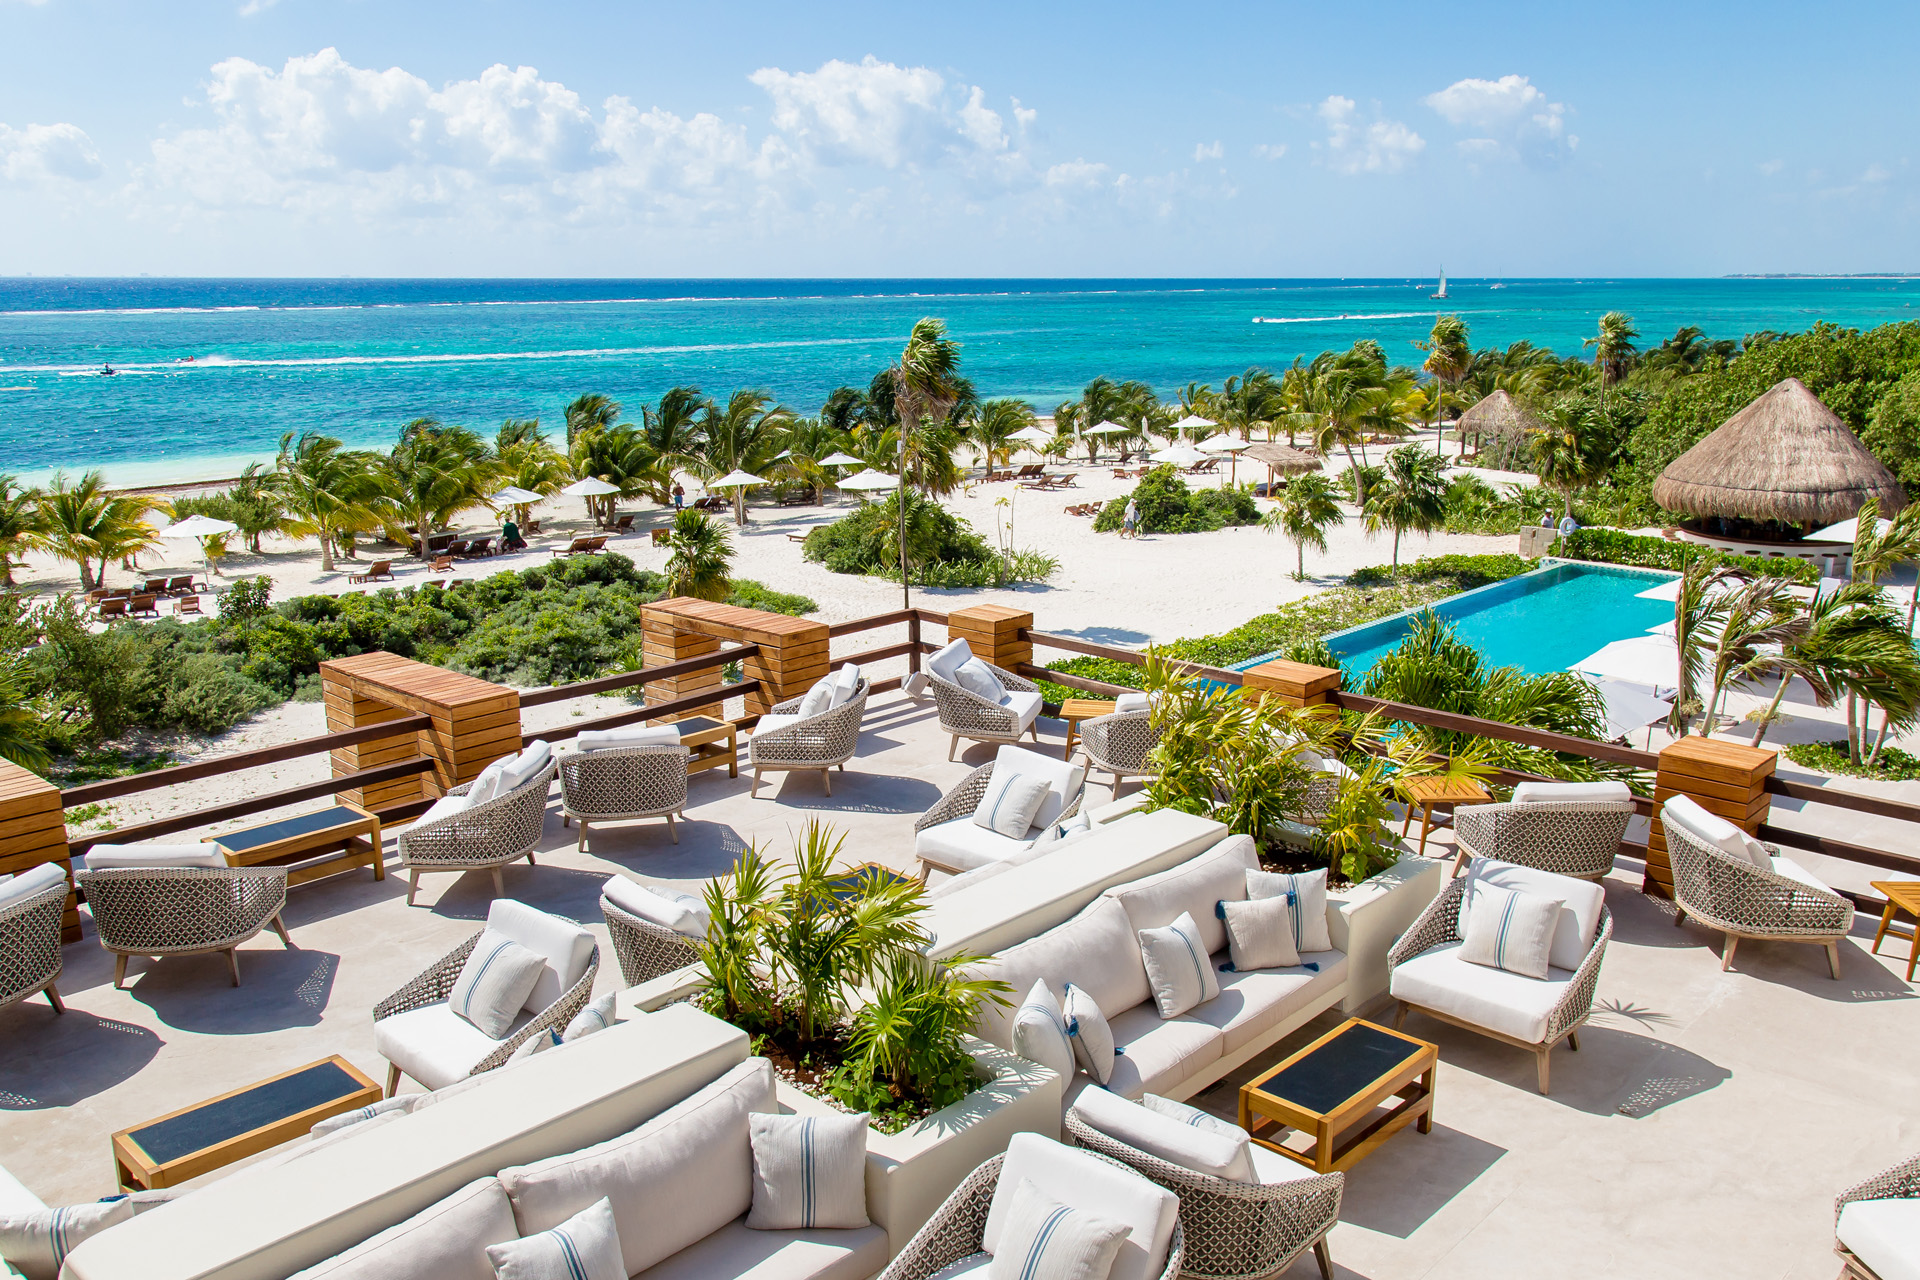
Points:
1168	506
1610	546
946	550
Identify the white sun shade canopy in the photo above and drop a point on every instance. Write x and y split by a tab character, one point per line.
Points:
735	479
1033	435
1107	429
1191	422
1846	531
842	460
591	487
1182	454
1648	660
871	480
515	495
1223	444
198	526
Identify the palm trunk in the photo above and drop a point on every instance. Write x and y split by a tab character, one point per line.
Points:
1772	707
1853	735
1396	551
326	550
1300	562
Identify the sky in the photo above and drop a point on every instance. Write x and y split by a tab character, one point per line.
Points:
636	139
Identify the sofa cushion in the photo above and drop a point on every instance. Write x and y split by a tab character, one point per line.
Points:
1571	792
1089	1033
1686	813
1202	1149
435	1045
966	844
1179	970
1884	1234
1096	950
446	1240
444	807
768	723
1251	1004
1040	1031
402	1103
1064	779
1191	1115
1155	1054
677	1178
564	946
1195	887
531	764
1131	702
740	1253
945	663
1510	929
684	913
1025	705
37	1241
633	735
29	883
1041	1237
494	983
1306	894
1009	803
1479	996
109	857
1581	903
584	1247
1081	1181
1794	871
1270	1168
808	1171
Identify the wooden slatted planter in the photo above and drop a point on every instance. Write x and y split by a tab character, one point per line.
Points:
1721	777
792	651
992	631
33	830
1294	683
475	722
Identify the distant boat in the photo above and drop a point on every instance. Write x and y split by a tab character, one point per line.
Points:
1496	286
107	371
1442	292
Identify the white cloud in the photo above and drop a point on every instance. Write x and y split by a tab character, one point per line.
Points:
1770	167
875	113
1875	173
252	7
1075	173
1511	118
1382	146
48	152
1208	151
1269	150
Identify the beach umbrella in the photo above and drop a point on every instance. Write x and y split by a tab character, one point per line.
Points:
1184	455
1107	429
1191	423
842	460
870	482
199	528
735	479
590	488
1631	707
1846	531
1647	660
1036	438
514	496
1228	445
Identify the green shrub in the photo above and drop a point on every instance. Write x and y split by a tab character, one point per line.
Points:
1168	506
203	693
945	549
748	594
1610	546
1464	571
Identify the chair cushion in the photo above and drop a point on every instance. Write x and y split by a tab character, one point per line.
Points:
1130	702
584	1247
1479	996
818	699
672	909
446	1240
1570	792
445	807
1096	950
564	945
489	785
1064	779
1581	903
1025	705
35	880
435	1045
1155	1054
740	1253
1089	1033
945	663
1194	888
1884	1234
1009	802
494	983
637	735
978	679
845	682
1259	933
1077	1179
37	1241
1252	1003
774	720
808	1171
1306	894
1510	929
674	1180
1203	1149
1040	1237
1040	1031
530	764
1179	969
1684	812
974	1266
1794	871
107	857
1270	1168
966	844
597	1016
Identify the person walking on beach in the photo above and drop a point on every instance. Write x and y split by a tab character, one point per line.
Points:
1129	521
510	539
679	497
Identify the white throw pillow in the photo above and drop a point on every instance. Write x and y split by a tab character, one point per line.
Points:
37	1241
672	909
1065	832
1260	933
404	1104
818	699
1093	1046
976	678
1686	813
945	663
584	1247
530	764
1040	1031
1042	1239
1178	968
639	735
109	857
1201	1149
1193	1116
489	785
597	1016
1010	802
1306	893
1131	702
445	807
1510	930
495	981
809	1172
1570	792
845	682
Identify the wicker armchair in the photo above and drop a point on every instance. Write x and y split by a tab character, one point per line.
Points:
1568	838
960	803
1901	1183
1236	1230
1742	901
436	984
1440	926
644	949
622	783
964	714
183	911
1119	743
30	940
483	838
958	1227
818	742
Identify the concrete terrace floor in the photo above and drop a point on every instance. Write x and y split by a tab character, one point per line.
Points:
1702	1129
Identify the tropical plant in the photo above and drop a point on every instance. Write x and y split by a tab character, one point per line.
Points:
700	562
324	488
1410	495
21	524
1852	644
254	505
907	1043
1567	453
83	522
993	428
1352	833
1219	754
1699	611
1306	509
433	474
590	413
944	550
1613	350
21	734
741	908
747	434
1449	356
1762	617
619	456
1167	505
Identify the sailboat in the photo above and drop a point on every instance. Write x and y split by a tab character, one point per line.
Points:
1443	285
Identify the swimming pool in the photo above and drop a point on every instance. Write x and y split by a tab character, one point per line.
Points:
1541	621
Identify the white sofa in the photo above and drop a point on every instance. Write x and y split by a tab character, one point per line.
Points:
418	1196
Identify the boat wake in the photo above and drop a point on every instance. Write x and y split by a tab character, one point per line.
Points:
1378	315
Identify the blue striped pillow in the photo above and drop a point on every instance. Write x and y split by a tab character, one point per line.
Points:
1178	967
1511	930
584	1247
1306	895
1043	1239
808	1171
494	983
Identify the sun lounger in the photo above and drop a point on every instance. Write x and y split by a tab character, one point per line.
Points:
581	547
442	564
181	585
187	604
623	525
144	606
530	528
1031	470
377	570
480	547
113	607
154	587
660	536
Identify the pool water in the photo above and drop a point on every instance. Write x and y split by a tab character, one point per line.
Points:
1542	621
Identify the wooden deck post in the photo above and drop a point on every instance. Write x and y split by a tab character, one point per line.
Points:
1721	777
1294	683
33	830
992	631
475	722
791	657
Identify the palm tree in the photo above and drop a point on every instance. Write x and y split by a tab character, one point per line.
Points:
324	488
702	554
590	413
672	430
1851	643
1449	356
1762	619
1411	496
1567	454
1612	350
621	457
1699	611
434	474
993	428
1306	510
926	386
21	524
254	504
747	435
85	523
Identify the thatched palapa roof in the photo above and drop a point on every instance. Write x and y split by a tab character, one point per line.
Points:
1284	458
1498	414
1785	457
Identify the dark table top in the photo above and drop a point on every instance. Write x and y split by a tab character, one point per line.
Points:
304	824
226	1118
1340	1068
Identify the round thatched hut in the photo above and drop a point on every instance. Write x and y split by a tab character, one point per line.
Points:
1786	463
1283	460
1498	423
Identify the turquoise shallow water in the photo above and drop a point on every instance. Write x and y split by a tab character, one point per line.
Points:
357	358
1540	622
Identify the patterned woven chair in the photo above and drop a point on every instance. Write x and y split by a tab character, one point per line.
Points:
30	907
783	741
645	948
1535	1014
1235	1230
964	844
1876	1225
1732	894
621	784
966	714
1570	837
483	838
1119	743
957	1230
183	911
420	1035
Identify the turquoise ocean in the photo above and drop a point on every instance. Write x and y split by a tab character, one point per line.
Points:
357	358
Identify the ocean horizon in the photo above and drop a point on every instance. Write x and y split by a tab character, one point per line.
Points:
212	372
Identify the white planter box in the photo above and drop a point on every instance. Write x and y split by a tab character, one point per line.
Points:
1366	919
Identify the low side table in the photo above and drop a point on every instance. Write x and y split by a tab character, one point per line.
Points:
310	845
183	1144
1428	794
1331	1088
1074	710
710	743
1901	895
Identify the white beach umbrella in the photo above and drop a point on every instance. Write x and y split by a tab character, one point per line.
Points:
842	460
1631	707
199	528
1036	438
870	482
514	496
1184	455
1669	591
735	479
1192	422
1226	444
1648	660
1845	531
591	487
1107	429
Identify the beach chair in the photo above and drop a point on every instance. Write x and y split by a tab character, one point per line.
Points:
154	587
181	585
596	545
1031	470
187	605
458	547
480	547
578	547
112	607
660	536
144	606
623	525
442	564
377	570
95	596
1067	480
530	528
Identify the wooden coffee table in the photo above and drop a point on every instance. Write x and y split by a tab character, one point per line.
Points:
1903	895
1074	710
1330	1090
1428	794
710	743
183	1144
310	845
